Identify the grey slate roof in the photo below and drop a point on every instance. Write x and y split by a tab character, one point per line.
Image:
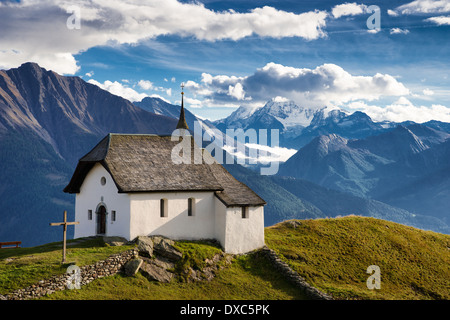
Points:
142	163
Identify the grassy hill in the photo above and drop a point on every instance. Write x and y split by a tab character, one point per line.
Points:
332	254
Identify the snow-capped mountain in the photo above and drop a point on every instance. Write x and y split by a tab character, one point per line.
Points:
285	115
288	113
298	125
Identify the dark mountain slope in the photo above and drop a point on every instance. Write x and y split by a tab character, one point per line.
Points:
370	166
64	110
48	122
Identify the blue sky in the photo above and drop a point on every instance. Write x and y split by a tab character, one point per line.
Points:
233	53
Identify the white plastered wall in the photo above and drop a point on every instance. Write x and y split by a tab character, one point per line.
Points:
244	234
220	221
146	219
92	194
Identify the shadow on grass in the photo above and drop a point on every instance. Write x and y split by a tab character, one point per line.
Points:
258	265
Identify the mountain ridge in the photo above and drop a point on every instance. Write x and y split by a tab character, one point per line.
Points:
397	167
48	121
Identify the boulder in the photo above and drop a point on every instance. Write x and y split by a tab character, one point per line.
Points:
154	272
164	247
145	246
132	267
160	262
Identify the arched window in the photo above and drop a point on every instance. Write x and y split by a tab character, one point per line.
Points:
163	208
191	207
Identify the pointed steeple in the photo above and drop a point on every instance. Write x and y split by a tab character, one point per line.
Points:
182	121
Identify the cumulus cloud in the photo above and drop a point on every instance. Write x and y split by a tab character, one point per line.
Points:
348	9
37	31
403	110
328	84
236	91
193	103
120	90
424	6
441	20
145	84
398	31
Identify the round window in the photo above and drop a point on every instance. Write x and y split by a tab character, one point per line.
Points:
103	181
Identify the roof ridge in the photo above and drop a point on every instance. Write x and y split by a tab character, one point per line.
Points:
96	146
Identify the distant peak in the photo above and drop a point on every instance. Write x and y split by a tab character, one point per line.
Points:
31	65
325	144
331	137
403	129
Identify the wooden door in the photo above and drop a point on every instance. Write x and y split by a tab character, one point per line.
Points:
101	220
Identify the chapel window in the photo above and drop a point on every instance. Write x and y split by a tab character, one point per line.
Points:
191	207
163	208
244	212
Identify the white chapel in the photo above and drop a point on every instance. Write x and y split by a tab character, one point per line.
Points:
128	186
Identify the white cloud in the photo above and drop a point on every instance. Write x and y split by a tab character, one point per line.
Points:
89	74
398	31
424	6
148	85
191	84
270	153
193	103
348	9
441	20
428	92
327	84
280	99
236	91
392	13
403	110
120	90
145	84
37	31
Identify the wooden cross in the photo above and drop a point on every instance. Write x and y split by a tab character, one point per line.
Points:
64	224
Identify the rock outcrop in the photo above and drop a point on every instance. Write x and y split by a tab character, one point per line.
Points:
158	256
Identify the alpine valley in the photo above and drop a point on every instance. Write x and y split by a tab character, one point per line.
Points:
344	163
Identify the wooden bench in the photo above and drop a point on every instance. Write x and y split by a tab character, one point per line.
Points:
10	244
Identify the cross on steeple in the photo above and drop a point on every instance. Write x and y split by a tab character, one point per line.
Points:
182	121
